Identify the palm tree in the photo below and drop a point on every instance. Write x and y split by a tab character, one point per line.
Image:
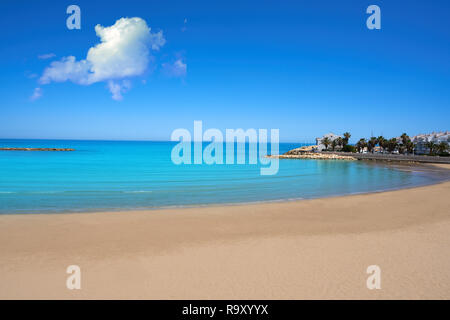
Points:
381	142
333	144
347	136
371	144
405	139
340	142
431	146
361	144
442	147
392	145
326	142
406	144
410	146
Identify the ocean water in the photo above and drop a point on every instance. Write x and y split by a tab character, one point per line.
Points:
121	175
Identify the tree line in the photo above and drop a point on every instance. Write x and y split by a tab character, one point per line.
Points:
404	145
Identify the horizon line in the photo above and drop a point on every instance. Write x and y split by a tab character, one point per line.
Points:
127	140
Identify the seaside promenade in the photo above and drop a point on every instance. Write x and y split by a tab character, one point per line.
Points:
307	152
393	157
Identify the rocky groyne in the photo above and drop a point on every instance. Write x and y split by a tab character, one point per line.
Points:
315	156
36	149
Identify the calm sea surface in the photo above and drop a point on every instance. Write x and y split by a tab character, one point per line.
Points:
112	175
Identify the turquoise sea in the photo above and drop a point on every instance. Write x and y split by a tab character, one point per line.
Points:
120	175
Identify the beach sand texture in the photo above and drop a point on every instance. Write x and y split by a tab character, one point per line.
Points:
310	249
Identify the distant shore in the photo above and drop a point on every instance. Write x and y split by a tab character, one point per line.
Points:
36	149
308	249
308	153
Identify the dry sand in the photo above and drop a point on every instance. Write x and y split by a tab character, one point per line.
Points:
310	249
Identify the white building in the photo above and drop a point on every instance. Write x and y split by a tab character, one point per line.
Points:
421	140
330	136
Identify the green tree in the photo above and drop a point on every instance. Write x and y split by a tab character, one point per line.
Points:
326	142
347	136
431	147
406	144
333	144
371	144
442	147
340	142
382	142
361	144
405	138
391	145
410	146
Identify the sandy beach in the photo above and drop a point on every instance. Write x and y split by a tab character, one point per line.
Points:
309	249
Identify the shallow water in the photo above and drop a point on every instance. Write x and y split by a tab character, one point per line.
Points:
120	175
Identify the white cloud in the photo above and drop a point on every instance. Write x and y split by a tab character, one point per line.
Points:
117	89
176	69
46	56
123	52
37	93
30	75
67	69
157	40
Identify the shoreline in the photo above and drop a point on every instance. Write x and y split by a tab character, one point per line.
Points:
395	157
428	168
219	205
308	249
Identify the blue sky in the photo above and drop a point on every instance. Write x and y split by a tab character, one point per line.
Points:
304	67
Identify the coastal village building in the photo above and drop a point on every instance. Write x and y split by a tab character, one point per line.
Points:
330	136
421	140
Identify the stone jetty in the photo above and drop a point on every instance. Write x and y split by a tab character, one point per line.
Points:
307	152
36	149
314	155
